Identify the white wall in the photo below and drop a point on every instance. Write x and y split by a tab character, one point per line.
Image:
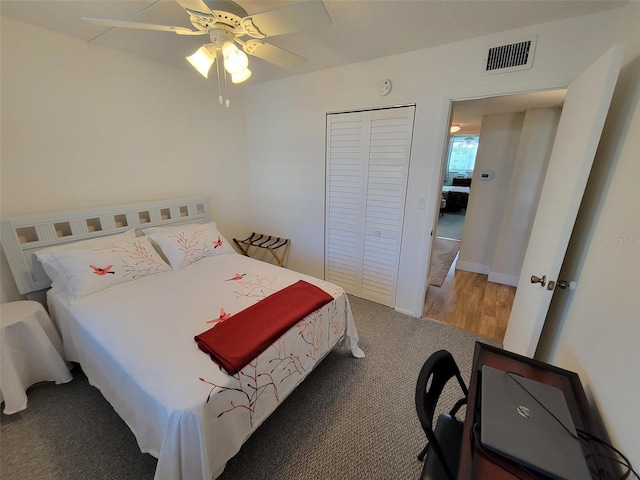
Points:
286	125
530	165
86	126
595	329
499	140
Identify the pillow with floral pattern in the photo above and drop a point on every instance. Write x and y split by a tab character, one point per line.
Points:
87	271
183	245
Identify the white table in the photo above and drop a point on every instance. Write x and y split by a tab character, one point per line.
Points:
30	352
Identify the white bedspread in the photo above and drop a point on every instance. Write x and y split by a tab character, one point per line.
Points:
135	343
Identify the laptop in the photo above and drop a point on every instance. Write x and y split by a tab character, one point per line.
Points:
518	427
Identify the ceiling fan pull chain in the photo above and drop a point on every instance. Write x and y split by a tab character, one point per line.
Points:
218	57
226	91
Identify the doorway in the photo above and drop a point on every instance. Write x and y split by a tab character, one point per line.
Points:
458	175
477	289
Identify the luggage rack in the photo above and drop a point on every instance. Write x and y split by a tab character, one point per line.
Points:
268	242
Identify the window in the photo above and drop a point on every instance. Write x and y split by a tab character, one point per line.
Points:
462	155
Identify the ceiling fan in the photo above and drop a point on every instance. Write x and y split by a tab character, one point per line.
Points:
227	24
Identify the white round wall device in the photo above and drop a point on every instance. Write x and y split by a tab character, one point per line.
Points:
384	87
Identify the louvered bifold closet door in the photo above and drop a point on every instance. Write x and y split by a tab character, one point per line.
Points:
367	167
347	161
389	152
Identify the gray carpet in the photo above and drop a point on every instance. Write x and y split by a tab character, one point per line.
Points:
450	225
350	419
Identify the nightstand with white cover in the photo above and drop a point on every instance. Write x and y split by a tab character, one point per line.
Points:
30	352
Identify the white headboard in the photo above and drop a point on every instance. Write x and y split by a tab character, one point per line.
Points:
24	235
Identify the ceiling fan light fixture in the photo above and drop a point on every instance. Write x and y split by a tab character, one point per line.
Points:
235	61
202	60
240	76
228	47
455	128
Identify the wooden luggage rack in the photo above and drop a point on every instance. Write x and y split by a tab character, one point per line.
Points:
269	242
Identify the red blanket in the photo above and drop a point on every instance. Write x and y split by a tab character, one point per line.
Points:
238	340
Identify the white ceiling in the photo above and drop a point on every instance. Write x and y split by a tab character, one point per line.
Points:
468	113
361	29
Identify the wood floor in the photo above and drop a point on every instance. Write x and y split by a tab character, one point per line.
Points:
469	301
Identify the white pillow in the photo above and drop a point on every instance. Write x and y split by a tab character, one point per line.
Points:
87	271
186	244
45	257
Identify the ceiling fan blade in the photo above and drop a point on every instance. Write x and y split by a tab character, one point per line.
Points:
273	54
195	6
144	26
304	15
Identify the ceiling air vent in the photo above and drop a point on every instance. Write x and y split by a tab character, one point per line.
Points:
510	57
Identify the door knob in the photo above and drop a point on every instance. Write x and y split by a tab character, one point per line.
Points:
542	281
563	284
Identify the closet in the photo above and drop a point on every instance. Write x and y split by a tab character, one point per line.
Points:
367	164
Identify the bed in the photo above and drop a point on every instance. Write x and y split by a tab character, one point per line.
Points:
135	338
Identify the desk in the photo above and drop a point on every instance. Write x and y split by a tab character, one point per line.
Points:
473	465
31	352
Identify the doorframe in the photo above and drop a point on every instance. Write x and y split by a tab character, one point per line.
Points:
437	202
437	169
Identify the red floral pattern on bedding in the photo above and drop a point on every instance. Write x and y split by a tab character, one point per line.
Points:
138	260
223	316
310	338
102	271
256	287
236	277
188	243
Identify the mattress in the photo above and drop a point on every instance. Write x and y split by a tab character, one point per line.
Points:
135	342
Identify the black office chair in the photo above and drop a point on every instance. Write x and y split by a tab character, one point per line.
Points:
443	443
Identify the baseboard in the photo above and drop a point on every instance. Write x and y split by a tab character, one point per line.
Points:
408	312
494	277
473	267
503	279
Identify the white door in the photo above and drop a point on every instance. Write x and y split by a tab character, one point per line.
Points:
577	137
367	169
347	150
